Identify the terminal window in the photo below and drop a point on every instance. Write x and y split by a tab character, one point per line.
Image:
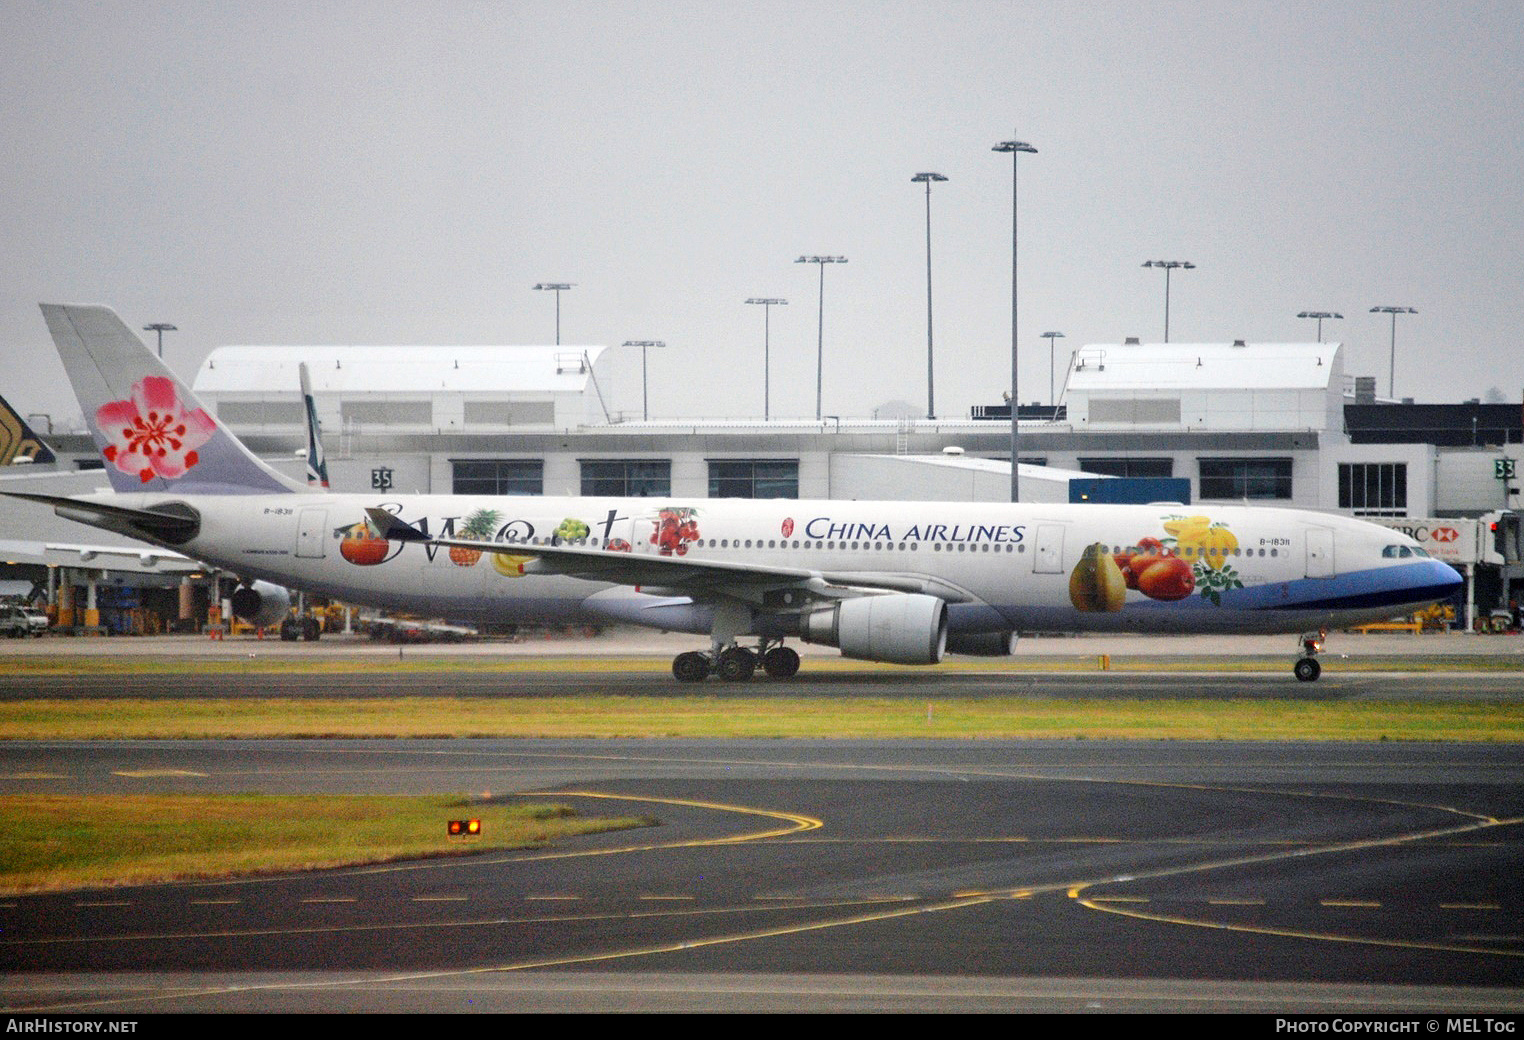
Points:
627	478
498	476
753	478
1374	488
1128	467
1245	478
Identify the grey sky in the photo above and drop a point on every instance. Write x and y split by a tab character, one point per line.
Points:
403	173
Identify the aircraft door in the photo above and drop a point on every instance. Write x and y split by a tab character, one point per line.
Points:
1320	552
1050	549
310	525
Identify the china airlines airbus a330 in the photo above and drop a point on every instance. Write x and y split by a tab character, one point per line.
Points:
902	582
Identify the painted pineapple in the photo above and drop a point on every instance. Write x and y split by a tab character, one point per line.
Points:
479	525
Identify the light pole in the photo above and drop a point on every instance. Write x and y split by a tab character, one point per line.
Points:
767	307
1015	148
1320	315
820	334
1168	265
557	288
1052	397
645	411
931	397
1391	370
160	327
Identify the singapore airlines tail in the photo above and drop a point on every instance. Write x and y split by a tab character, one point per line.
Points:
19	443
149	427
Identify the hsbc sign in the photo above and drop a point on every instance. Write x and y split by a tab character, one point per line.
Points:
1451	540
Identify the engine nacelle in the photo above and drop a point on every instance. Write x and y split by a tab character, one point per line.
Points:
982	644
900	629
261	604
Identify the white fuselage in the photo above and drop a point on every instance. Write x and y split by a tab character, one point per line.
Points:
1001	567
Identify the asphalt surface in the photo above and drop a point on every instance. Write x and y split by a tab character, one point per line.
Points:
826	875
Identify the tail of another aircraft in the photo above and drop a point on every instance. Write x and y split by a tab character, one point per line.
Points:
18	442
317	465
149	427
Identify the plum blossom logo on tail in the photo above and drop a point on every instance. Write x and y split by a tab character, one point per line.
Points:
153	434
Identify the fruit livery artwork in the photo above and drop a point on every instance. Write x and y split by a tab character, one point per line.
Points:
361	546
479	525
676	527
1192	554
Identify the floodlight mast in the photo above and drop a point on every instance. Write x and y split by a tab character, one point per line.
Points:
931	396
820	334
768	303
1015	148
160	327
557	288
1168	265
1391	371
645	409
1319	315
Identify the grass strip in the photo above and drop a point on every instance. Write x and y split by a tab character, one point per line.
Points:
72	841
726	717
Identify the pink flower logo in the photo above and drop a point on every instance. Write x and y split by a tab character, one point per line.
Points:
153	434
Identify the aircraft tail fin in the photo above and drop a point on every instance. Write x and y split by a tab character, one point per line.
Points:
19	443
317	465
149	427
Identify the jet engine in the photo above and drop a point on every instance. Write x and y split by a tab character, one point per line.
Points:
901	629
261	603
982	644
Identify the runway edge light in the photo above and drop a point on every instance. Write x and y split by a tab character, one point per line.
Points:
464	828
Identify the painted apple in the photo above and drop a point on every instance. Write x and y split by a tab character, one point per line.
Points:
1164	577
1132	561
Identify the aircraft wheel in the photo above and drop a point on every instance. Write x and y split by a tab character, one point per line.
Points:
1307	669
780	662
690	667
737	664
287	631
311	629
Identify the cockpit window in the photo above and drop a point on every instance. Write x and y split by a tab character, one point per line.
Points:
1401	552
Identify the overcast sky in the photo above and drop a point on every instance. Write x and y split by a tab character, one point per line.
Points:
365	172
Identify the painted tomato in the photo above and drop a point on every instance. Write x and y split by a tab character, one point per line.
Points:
617	545
788	526
1164	577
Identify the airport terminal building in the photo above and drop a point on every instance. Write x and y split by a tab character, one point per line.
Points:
1268	423
1278	424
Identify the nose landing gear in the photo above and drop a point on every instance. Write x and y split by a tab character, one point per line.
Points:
1307	668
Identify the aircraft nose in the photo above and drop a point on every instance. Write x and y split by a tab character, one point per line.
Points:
1446	577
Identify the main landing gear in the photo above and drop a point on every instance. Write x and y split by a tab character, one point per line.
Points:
1307	668
736	663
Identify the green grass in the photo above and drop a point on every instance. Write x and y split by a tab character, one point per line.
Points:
72	841
722	717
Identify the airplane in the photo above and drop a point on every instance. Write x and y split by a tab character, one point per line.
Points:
901	582
317	464
19	443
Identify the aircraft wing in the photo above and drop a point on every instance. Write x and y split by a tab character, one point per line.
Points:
686	575
146	559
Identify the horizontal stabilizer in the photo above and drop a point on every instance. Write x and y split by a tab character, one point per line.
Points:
175	523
